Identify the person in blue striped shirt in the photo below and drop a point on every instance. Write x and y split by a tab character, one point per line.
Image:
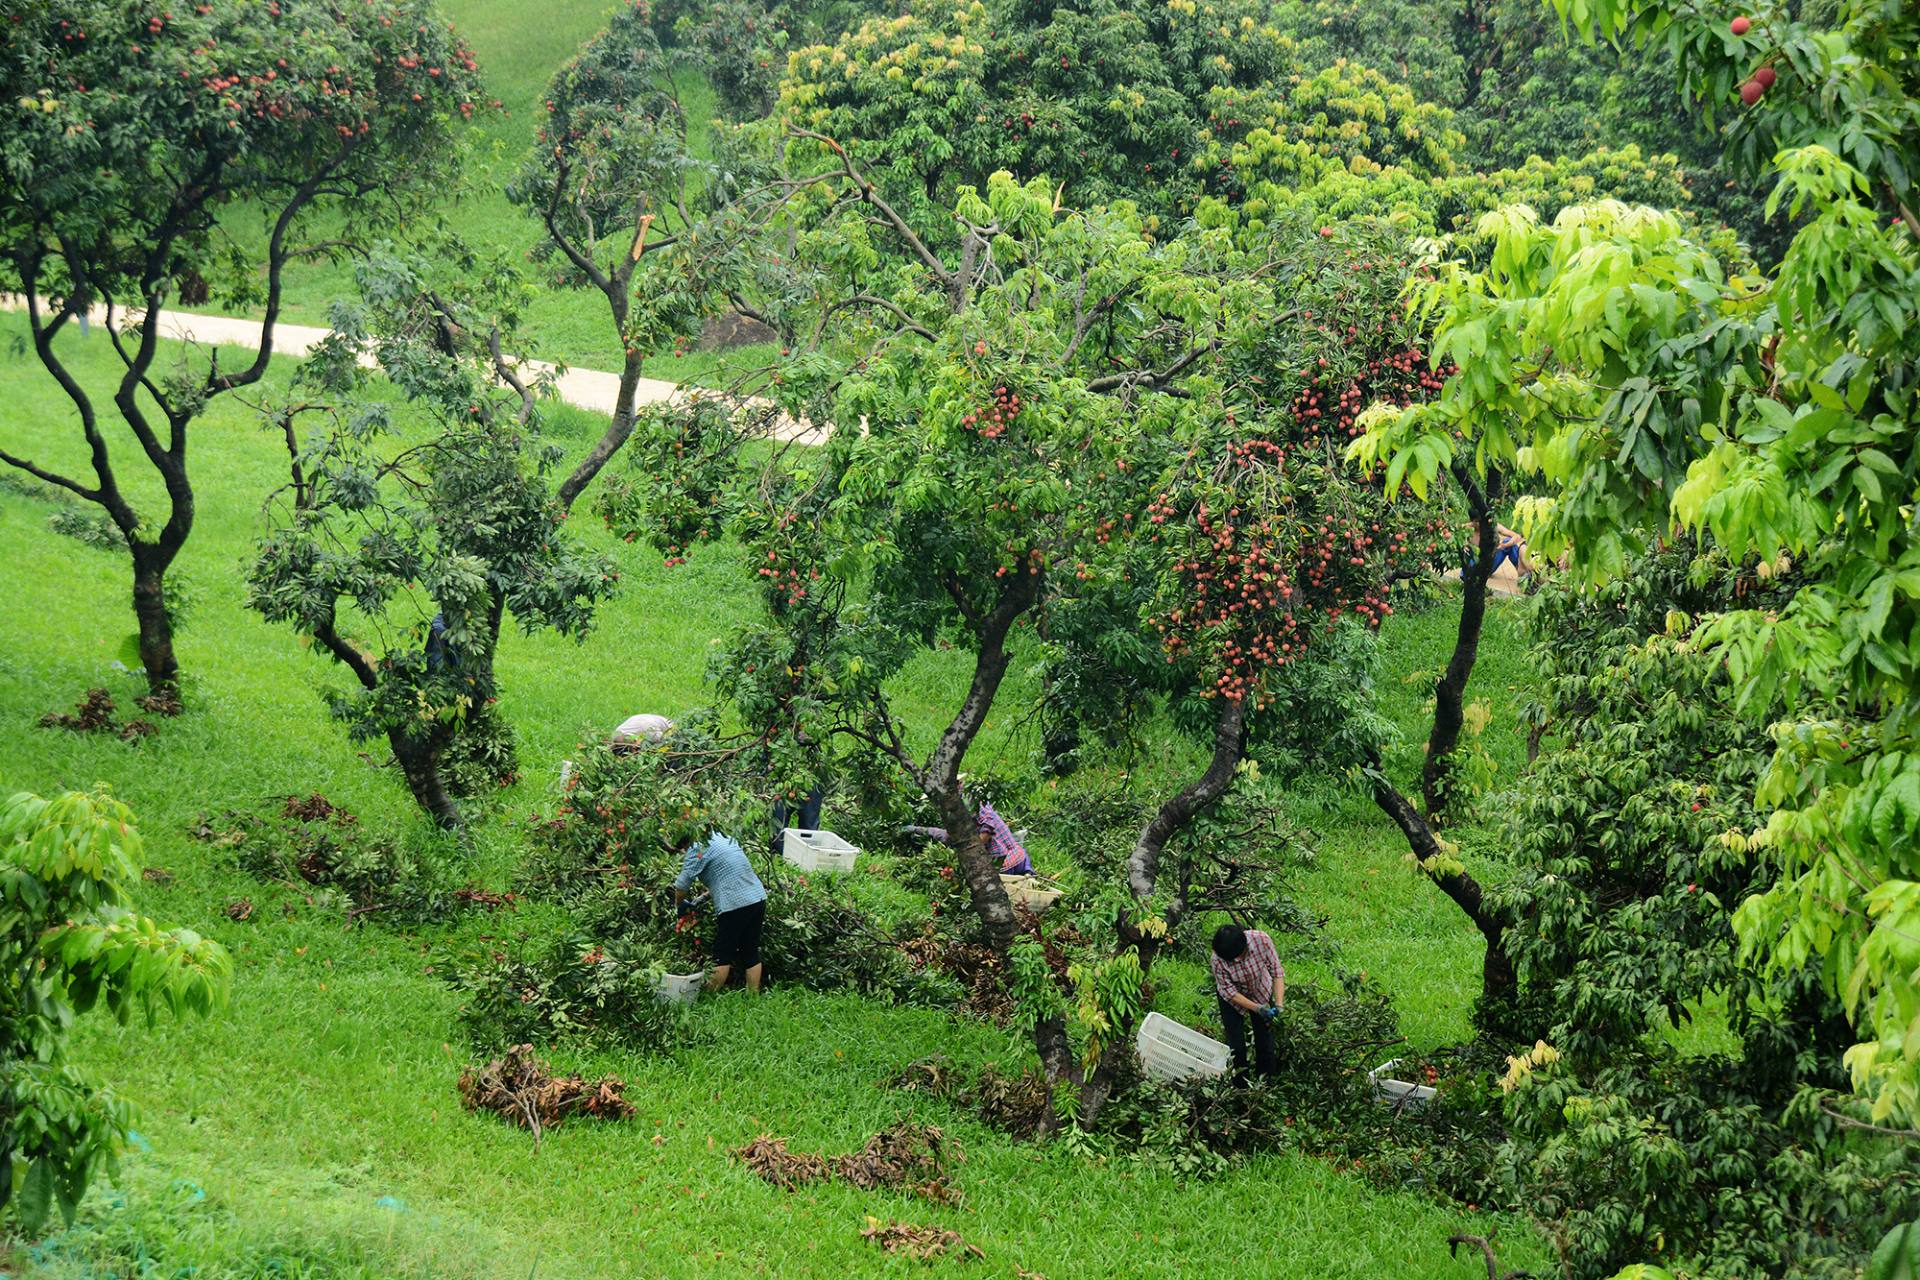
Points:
739	904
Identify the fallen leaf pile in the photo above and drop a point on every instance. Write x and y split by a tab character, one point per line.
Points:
923	1243
912	1156
975	967
314	808
1019	1105
475	896
521	1088
94	714
164	703
788	1170
91	714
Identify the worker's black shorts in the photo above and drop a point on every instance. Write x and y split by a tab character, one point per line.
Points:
736	935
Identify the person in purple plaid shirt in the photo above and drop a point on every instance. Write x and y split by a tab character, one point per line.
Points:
1252	985
1012	854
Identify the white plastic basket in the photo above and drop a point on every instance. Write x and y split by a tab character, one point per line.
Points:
681	988
1170	1051
1401	1095
817	850
1023	892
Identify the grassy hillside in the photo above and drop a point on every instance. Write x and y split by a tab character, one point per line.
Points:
313	1129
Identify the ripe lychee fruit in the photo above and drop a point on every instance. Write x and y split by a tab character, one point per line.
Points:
1742	24
1750	92
1765	77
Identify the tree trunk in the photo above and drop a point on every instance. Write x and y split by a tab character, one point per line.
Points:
419	760
156	627
1173	817
609	444
940	780
1497	978
1450	694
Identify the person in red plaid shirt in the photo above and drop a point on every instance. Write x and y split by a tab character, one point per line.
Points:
1000	842
1252	985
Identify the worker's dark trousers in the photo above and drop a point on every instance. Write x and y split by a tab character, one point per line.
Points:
1235	1021
809	816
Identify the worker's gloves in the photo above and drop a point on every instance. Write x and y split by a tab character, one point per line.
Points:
1269	1012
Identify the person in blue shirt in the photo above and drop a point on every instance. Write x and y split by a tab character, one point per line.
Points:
739	904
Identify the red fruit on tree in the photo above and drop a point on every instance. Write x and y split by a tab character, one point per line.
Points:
1742	24
1765	77
1750	92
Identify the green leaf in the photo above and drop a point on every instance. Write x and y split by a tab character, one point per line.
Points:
35	1197
1897	1256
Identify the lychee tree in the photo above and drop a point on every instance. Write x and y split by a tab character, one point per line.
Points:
1630	849
402	562
627	208
1774	414
994	406
136	134
1258	543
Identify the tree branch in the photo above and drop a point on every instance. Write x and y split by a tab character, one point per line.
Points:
38	473
1147	377
867	193
1229	742
346	653
302	196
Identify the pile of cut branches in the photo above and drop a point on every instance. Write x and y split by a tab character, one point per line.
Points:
906	1155
974	965
1017	1104
521	1088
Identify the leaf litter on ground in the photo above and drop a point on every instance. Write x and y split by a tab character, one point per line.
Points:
922	1243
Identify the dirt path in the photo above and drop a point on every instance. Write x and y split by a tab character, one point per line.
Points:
588	389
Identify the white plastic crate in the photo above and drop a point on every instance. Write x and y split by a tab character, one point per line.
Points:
817	850
1025	893
1170	1051
681	988
1401	1095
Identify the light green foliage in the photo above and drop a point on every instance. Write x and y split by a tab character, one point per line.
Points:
1633	838
1614	356
1104	99
1108	1002
1347	117
1455	202
1416	41
69	943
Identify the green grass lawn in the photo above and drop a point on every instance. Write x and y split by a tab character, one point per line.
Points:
313	1129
